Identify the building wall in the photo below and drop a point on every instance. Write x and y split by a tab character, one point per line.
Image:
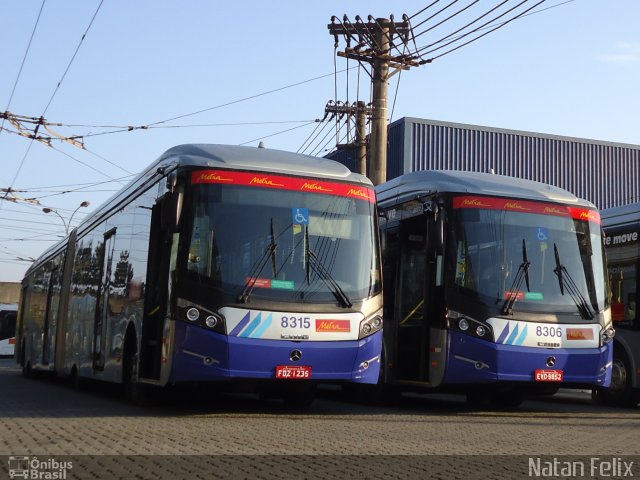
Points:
605	173
9	292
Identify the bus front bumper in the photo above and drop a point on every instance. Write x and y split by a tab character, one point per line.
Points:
201	355
473	360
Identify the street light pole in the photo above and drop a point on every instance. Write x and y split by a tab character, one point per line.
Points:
64	222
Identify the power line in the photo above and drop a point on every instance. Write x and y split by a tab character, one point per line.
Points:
251	97
486	33
276	133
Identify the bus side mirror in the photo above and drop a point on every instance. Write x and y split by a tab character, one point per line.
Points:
435	219
171	209
383	243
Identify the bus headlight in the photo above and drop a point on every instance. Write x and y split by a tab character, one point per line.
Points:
193	314
198	315
211	321
370	325
469	326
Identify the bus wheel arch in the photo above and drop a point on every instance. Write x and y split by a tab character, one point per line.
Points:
621	393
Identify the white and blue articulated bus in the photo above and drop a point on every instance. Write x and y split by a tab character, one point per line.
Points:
622	243
494	286
218	263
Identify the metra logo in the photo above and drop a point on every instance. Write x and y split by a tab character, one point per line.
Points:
212	177
579	334
358	192
333	325
265	181
515	206
473	203
315	187
589	215
554	211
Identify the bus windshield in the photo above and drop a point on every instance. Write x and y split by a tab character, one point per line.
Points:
529	256
256	241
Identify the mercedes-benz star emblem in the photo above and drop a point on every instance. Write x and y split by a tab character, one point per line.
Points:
551	361
295	355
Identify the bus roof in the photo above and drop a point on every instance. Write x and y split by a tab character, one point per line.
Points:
427	182
622	215
217	156
252	158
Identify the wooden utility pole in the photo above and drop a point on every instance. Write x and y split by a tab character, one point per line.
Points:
375	41
361	112
361	136
380	110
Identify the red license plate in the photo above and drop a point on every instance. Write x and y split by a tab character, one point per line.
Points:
288	372
549	375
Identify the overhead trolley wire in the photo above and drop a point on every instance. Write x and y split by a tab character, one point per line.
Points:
26	154
24	58
55	91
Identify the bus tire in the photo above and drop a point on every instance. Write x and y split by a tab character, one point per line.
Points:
75	379
27	371
134	391
621	392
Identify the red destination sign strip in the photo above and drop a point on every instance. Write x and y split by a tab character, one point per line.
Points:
284	183
526	206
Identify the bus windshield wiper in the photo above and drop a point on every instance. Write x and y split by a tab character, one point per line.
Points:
521	274
324	274
257	268
566	282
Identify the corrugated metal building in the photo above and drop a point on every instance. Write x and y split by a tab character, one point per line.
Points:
605	173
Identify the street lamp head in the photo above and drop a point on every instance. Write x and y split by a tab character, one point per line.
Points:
47	210
85	204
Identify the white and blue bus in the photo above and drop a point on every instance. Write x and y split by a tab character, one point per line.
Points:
494	286
217	263
8	314
622	244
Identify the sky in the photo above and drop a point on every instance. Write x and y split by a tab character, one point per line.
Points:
242	72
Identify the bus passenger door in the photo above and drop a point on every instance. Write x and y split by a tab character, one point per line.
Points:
46	338
102	305
155	300
412	331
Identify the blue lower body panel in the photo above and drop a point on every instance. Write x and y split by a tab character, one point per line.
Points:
472	360
202	355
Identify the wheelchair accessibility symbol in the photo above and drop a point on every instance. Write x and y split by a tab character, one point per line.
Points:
542	234
300	216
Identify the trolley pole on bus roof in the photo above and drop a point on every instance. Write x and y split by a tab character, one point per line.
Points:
374	41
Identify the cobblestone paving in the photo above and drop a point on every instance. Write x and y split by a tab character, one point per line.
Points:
49	419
